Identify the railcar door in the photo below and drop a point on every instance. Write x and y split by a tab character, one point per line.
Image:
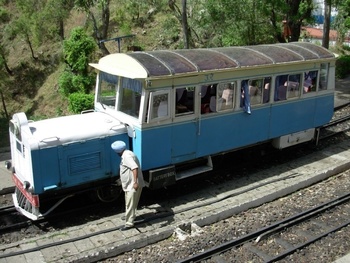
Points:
185	125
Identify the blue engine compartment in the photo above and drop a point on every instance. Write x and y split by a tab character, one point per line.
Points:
75	164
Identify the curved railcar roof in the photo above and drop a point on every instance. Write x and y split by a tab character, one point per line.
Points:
145	64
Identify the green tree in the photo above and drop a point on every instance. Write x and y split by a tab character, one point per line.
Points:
299	12
97	10
181	15
79	102
342	21
327	23
253	22
239	22
51	19
3	90
5	71
78	50
39	21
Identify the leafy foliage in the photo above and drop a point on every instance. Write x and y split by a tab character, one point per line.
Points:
342	66
79	102
238	23
77	53
4	15
78	49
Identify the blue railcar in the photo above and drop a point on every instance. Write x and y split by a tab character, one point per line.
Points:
175	109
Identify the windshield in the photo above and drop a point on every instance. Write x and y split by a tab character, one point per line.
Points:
129	95
107	90
130	102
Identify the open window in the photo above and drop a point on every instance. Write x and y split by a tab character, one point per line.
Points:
287	86
293	86
225	97
184	100
310	81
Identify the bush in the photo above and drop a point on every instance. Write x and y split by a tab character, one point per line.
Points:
65	82
82	83
4	15
79	102
342	66
70	83
346	47
77	79
78	49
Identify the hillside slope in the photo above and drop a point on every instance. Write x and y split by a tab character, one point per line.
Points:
33	87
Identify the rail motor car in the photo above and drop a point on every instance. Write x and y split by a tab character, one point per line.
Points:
174	109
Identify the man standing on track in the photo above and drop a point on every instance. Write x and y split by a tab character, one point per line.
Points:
132	181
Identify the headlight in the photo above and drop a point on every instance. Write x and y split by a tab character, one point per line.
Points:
8	165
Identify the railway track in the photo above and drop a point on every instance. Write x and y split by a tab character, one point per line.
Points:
339	124
12	221
277	241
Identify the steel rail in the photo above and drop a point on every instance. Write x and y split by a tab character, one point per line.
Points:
266	231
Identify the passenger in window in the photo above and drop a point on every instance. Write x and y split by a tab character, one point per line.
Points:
181	100
253	88
282	91
213	102
205	99
266	92
281	88
227	95
254	92
307	81
310	81
312	87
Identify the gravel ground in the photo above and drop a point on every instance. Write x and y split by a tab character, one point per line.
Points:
326	250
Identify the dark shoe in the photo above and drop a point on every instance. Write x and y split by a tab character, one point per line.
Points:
124	228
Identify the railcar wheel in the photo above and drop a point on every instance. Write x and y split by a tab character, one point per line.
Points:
108	193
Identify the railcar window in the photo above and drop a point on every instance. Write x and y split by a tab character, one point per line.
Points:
225	96
310	81
208	98
184	101
293	86
287	86
323	76
205	98
130	97
255	91
266	89
258	90
159	105
107	94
